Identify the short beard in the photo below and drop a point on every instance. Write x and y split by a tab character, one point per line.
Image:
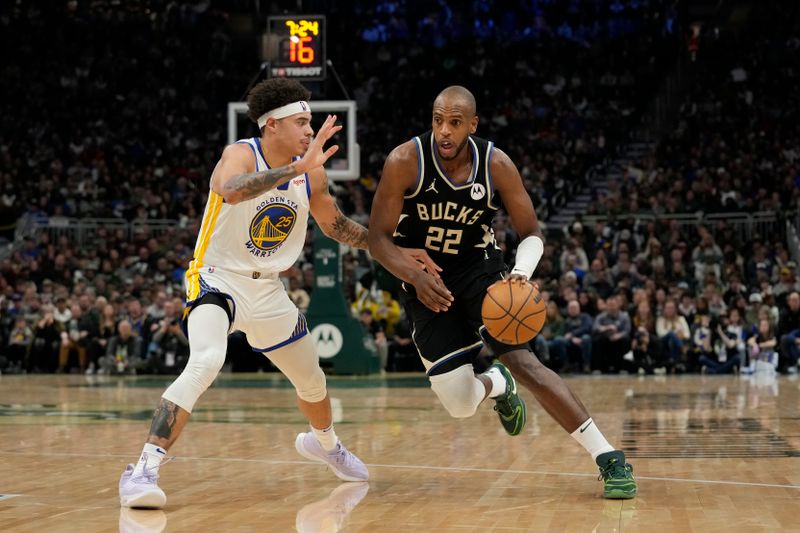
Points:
458	150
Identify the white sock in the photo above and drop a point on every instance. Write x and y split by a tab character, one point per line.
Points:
591	439
151	457
498	382
326	437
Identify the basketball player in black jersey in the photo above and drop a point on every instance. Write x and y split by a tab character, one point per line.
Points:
439	192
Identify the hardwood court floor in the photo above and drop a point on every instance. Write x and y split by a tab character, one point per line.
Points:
710	453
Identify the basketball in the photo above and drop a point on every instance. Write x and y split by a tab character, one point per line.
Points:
513	313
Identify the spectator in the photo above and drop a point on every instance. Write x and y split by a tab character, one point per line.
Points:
761	348
735	290
646	353
62	312
788	281
378	335
19	344
643	318
611	336
298	294
588	301
624	272
716	304
383	308
755	308
598	279
673	332
402	355
770	306
107	325
789	333
731	347
46	341
576	342
687	307
703	339
552	331
707	256
74	339
124	351
653	256
574	257
136	318
169	347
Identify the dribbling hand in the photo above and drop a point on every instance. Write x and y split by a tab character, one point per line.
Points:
316	156
521	279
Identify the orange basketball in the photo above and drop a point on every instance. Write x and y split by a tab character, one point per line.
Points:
513	313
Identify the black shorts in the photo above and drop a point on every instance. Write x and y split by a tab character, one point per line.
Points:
453	338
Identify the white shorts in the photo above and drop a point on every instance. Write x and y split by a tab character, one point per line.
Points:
259	307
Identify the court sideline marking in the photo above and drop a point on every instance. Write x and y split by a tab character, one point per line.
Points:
411	467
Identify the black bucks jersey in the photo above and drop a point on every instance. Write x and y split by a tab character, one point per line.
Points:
452	222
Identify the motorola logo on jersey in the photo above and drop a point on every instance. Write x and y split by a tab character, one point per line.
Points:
328	340
478	191
270	227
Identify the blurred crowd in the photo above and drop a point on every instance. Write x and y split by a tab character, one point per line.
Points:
559	86
736	144
557	83
652	298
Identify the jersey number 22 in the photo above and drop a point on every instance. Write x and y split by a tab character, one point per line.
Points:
443	241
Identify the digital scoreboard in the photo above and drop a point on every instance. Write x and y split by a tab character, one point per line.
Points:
296	47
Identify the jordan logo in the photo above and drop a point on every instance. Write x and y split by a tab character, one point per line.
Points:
432	187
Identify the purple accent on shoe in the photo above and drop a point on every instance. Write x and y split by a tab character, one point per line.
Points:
141	490
344	464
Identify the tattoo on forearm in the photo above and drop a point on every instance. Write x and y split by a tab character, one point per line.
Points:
164	419
252	184
348	232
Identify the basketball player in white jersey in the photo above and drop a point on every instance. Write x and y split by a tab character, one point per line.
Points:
254	227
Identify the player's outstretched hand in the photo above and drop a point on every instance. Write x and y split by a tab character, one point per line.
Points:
421	258
432	292
316	155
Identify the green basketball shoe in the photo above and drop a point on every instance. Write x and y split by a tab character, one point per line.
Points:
509	406
617	476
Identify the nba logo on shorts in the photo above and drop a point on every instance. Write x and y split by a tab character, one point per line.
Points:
477	192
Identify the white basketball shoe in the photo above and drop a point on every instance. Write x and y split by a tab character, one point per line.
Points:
343	463
142	490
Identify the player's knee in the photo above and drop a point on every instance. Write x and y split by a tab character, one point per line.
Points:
204	364
459	391
313	389
459	407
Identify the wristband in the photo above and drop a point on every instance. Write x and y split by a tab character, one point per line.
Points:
529	252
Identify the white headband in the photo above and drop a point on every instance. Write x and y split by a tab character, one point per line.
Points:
284	111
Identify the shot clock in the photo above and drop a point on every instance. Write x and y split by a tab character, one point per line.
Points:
295	47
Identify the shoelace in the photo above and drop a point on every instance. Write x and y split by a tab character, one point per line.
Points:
612	469
150	475
503	406
340	454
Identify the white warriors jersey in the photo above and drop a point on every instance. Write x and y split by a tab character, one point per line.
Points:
263	235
